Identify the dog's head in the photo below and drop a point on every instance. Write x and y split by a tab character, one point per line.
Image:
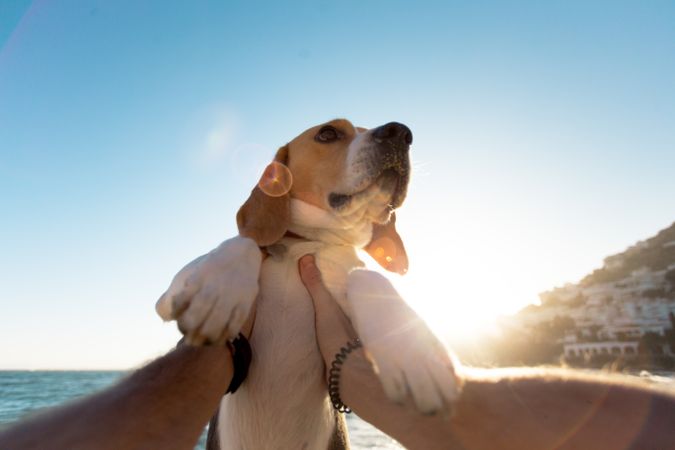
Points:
356	174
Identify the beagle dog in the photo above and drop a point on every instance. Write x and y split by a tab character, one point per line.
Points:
330	192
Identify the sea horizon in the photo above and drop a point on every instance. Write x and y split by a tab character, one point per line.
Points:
26	392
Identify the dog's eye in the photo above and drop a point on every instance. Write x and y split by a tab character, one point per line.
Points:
327	134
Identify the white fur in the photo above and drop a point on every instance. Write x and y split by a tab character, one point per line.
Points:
318	224
357	174
407	355
283	403
355	155
217	290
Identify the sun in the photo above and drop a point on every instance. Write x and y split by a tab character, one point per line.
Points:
461	285
449	303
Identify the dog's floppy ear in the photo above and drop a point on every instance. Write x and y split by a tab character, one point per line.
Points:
387	247
265	216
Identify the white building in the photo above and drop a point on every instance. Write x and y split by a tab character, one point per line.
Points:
591	349
613	317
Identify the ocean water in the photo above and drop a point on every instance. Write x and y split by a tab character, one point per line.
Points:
24	392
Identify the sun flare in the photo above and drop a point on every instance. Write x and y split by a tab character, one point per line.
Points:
462	281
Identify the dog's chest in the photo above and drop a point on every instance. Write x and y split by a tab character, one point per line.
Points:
280	280
284	333
284	402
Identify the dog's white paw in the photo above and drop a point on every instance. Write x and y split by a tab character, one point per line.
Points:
407	355
212	296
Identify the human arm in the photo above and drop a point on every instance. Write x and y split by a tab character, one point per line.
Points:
165	404
506	409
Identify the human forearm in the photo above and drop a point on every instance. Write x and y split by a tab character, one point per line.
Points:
165	404
545	408
522	408
359	387
361	390
505	409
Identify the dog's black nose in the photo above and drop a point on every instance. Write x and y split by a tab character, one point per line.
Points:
393	131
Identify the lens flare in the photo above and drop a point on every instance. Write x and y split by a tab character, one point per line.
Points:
384	250
276	180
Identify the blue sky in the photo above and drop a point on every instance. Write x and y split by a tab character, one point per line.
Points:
130	133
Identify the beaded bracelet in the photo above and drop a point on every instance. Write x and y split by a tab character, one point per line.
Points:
334	375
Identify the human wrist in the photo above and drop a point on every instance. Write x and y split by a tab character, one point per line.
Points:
335	372
356	375
361	390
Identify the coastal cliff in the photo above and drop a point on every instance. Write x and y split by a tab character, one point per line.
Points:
621	315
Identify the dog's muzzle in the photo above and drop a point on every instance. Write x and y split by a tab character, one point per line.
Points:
388	165
393	141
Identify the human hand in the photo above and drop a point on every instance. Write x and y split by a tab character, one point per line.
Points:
333	327
360	388
408	359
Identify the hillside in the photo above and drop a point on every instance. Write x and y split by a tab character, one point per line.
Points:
655	253
621	314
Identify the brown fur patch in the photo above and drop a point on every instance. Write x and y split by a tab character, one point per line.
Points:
340	439
387	247
265	218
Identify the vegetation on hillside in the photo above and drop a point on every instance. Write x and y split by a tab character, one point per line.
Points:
651	254
518	343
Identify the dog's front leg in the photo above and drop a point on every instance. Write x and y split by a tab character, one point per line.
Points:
212	296
408	357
